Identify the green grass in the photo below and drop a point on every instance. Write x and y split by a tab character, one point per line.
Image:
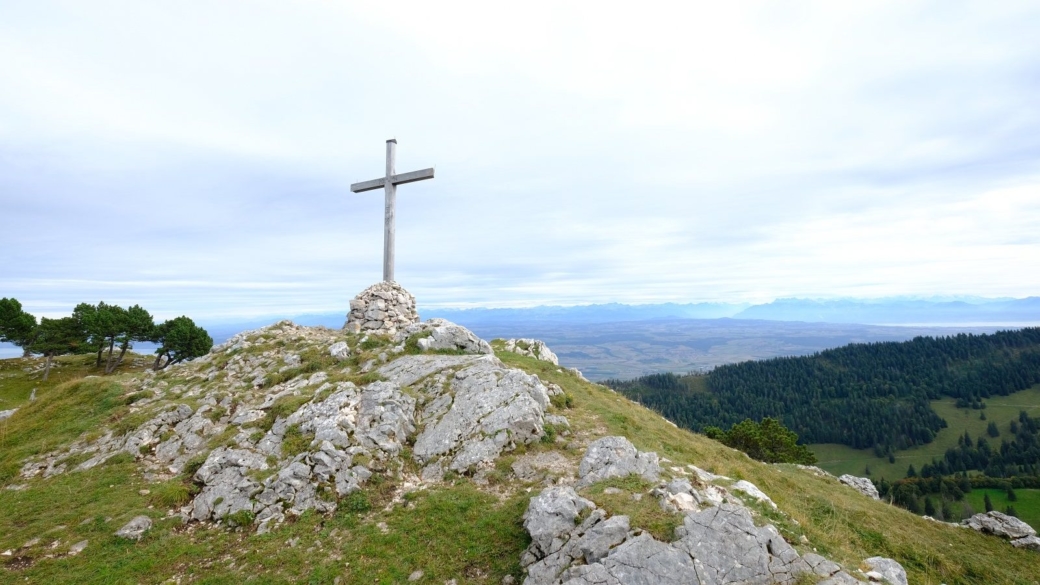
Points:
58	416
1027	506
839	522
841	459
646	513
449	531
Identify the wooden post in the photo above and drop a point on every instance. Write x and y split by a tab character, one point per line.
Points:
389	184
391	202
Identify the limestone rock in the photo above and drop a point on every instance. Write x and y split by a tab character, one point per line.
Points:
339	350
1028	543
576	543
7	413
532	348
1000	524
616	457
729	548
861	485
135	528
890	570
752	490
445	335
384	307
474	413
552	514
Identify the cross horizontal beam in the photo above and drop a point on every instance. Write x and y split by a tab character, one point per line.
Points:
395	180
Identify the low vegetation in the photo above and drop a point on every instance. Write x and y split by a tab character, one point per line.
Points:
458	529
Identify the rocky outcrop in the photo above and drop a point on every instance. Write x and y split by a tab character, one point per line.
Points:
861	485
1000	524
439	334
574	542
886	570
4	414
1028	543
271	438
616	457
385	307
532	348
474	408
996	523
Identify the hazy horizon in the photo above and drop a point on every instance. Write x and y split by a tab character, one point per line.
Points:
656	153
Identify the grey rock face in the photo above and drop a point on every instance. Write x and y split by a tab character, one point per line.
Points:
477	412
1000	524
384	307
576	543
339	350
227	488
890	570
135	529
1028	543
715	546
729	548
861	485
551	515
7	413
616	457
445	335
532	348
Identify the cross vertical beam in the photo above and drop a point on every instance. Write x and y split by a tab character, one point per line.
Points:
389	185
391	204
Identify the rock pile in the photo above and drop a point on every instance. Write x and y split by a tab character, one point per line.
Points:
576	543
385	307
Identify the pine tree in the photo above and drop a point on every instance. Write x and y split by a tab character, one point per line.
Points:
988	503
929	507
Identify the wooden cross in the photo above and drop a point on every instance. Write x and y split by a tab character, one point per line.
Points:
389	184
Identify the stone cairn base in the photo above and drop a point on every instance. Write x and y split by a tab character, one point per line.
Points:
385	307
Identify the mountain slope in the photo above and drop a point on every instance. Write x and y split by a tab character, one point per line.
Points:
466	526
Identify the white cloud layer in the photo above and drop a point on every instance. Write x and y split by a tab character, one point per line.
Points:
196	157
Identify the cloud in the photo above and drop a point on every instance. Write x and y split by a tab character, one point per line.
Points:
197	158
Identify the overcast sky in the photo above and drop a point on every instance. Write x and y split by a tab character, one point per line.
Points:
196	157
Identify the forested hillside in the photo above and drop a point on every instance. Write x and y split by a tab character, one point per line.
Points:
862	395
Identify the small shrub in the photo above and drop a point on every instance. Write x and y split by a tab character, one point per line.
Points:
294	442
282	407
411	345
550	434
171	494
562	400
216	413
193	465
136	396
372	343
119	458
356	502
240	518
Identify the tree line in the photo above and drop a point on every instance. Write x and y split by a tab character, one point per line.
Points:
867	395
97	328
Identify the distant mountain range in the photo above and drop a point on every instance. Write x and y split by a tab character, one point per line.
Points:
891	311
516	322
899	311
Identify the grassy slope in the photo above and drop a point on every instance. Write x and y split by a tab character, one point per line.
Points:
1027	506
452	531
840	459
